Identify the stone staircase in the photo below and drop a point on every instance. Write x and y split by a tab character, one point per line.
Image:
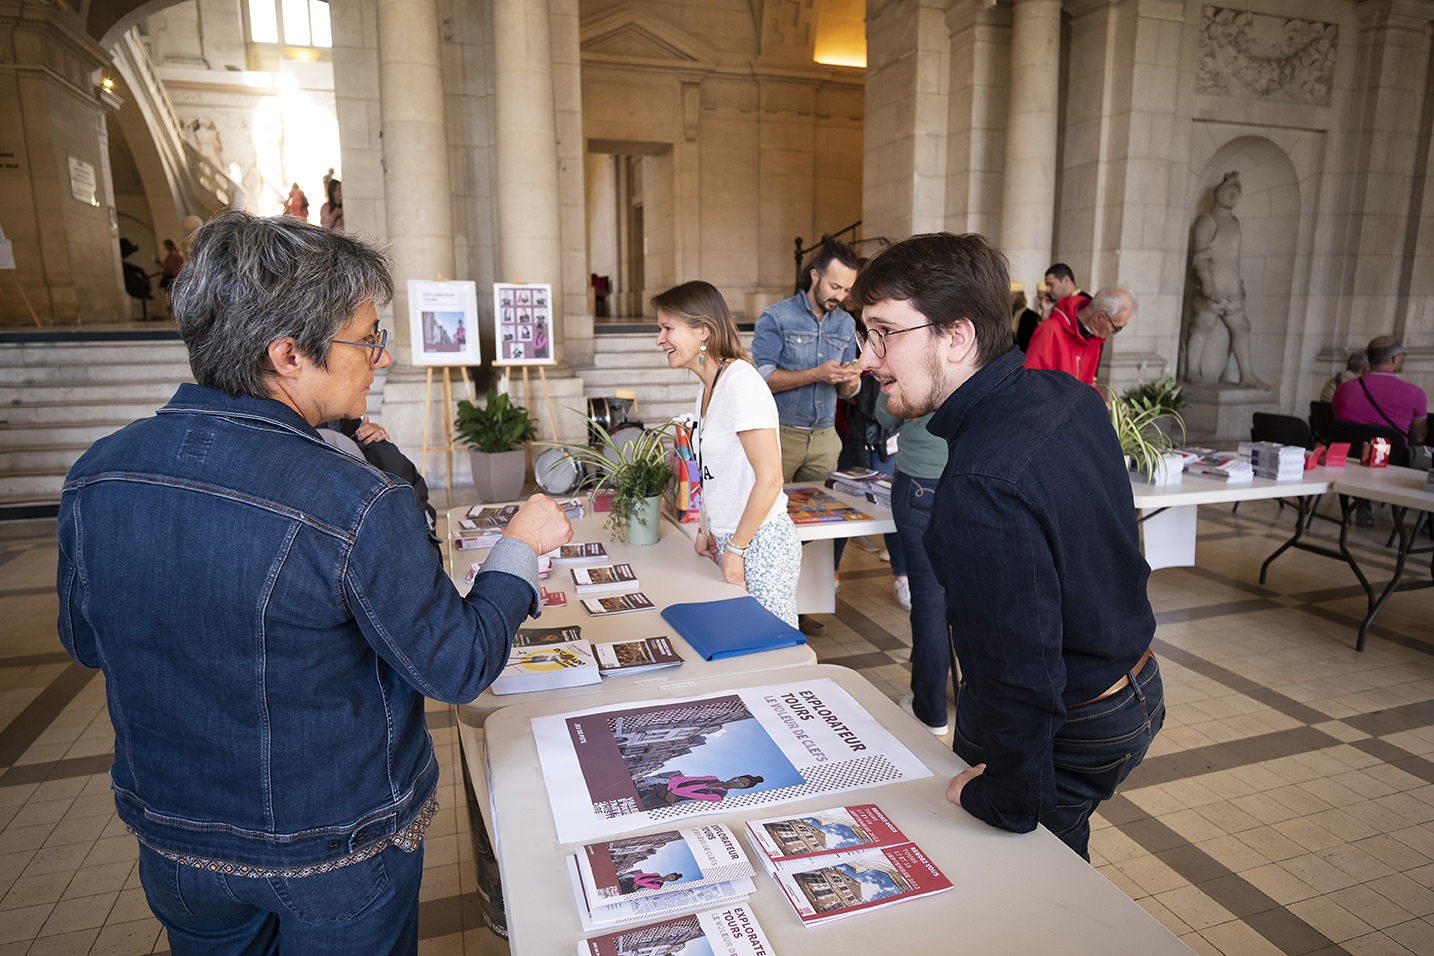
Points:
58	397
630	360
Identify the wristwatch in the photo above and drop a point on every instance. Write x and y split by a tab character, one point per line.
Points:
739	552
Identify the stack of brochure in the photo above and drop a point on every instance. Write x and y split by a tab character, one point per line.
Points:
874	486
1273	460
658	875
617	604
580	553
635	656
1222	466
547	659
727	932
604	578
834	863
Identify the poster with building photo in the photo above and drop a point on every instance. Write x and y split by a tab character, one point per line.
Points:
614	770
523	324
443	322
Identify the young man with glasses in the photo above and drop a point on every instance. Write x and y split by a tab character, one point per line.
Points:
1032	536
1071	339
269	614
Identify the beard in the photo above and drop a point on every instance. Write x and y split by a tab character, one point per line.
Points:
917	397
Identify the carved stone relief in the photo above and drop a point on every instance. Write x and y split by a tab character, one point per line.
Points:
1265	57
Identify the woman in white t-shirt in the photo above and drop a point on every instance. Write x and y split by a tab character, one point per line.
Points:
744	525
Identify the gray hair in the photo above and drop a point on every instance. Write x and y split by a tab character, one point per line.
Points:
1112	302
251	280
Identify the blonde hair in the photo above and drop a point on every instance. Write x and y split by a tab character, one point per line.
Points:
698	304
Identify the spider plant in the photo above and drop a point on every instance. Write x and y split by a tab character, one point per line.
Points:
634	471
1140	439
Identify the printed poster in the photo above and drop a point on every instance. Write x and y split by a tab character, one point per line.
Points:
523	324
443	322
612	771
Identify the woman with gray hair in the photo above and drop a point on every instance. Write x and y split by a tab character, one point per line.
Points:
269	615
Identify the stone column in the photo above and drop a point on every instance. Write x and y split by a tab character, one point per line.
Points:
418	208
529	222
1028	186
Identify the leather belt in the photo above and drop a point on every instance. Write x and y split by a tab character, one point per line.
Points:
1123	682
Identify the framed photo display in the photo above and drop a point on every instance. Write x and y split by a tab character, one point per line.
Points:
523	324
443	322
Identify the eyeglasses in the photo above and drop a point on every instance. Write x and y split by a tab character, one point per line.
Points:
875	339
377	347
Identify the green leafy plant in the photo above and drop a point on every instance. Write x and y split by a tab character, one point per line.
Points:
1135	427
1164	397
500	427
634	471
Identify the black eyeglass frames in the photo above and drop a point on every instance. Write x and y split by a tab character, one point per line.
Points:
875	339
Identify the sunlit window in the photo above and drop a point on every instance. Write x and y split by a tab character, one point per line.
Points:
305	23
841	33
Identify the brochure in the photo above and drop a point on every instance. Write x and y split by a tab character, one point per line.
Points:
636	867
814	506
595	916
725	932
577	553
500	513
547	659
841	884
476	542
553	598
635	657
605	577
609	771
782	839
620	604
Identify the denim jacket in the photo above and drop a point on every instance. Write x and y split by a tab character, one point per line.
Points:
1033	536
268	615
789	337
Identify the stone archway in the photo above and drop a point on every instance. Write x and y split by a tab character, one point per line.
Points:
1269	214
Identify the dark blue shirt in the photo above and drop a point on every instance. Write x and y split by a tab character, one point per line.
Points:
1033	536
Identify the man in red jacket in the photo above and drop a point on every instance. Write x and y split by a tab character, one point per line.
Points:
1070	340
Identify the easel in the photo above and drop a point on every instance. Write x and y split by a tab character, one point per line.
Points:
448	446
547	399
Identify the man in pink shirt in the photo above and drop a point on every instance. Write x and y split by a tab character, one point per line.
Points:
1379	398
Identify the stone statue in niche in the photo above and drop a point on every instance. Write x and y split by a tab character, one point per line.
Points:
1219	293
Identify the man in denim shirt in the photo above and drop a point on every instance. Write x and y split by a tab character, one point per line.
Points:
269	615
1032	536
801	347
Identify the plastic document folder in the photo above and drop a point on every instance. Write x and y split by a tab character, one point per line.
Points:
718	629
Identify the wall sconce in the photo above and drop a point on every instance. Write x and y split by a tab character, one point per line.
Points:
109	99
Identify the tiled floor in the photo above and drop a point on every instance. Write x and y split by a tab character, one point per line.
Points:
1287	806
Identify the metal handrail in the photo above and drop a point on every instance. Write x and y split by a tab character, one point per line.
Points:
799	253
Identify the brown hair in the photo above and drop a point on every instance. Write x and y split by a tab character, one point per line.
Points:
946	278
698	304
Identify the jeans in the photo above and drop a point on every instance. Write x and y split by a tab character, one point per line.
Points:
856	455
1100	743
911	501
363	909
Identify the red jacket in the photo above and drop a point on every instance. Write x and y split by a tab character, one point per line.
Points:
1059	344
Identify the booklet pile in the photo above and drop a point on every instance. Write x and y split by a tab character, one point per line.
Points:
659	875
547	659
635	656
1217	465
874	486
1272	460
833	863
604	577
483	526
728	932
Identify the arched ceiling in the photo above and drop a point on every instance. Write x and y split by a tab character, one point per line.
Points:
107	20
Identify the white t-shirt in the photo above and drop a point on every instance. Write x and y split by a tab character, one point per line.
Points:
740	402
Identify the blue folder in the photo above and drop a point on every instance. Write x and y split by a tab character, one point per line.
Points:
718	629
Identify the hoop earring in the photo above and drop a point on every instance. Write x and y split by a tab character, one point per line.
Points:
701	356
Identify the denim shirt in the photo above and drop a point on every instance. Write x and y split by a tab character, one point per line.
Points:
1033	536
789	337
268	615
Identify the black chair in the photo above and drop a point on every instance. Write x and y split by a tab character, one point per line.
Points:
1321	418
1285	429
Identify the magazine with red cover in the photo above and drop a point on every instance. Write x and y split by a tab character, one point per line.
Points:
781	839
837	885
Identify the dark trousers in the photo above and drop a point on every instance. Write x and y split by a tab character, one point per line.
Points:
911	501
1094	751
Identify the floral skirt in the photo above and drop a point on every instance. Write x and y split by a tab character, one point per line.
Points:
772	566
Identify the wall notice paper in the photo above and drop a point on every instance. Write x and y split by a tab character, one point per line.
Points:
611	771
522	324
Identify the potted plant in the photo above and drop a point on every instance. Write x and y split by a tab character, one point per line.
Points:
496	434
1164	398
636	472
1146	446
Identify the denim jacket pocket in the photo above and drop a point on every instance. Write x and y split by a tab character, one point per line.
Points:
799	349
